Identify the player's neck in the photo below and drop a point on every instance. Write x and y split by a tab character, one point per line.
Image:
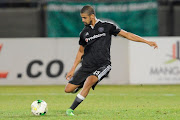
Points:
94	22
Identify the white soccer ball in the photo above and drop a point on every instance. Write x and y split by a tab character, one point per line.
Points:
39	107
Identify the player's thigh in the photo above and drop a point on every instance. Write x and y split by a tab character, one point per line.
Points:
90	81
70	87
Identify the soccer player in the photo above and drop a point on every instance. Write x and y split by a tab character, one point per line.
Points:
94	52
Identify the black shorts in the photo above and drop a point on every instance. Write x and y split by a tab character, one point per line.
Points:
82	73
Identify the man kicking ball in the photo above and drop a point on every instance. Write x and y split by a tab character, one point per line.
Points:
94	52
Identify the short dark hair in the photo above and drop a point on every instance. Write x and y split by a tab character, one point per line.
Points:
88	9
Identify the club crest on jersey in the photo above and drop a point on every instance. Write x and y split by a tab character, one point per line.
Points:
95	36
101	29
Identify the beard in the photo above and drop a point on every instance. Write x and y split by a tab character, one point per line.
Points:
86	24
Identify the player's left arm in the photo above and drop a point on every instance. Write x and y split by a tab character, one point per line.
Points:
136	38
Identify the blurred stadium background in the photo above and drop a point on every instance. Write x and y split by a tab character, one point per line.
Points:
37	38
37	35
60	18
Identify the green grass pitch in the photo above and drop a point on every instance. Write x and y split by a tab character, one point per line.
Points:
124	102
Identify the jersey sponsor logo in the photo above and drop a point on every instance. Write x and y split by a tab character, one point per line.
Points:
95	36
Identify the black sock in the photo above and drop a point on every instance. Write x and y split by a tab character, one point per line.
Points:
77	101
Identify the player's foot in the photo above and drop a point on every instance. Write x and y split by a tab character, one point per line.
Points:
69	112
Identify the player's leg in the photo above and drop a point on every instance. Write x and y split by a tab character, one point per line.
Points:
70	88
90	81
76	82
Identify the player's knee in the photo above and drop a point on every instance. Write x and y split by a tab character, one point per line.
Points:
66	90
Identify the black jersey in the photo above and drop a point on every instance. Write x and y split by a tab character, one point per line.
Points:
97	42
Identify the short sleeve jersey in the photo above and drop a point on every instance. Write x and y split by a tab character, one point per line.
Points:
97	42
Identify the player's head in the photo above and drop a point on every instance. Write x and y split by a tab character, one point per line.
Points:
87	14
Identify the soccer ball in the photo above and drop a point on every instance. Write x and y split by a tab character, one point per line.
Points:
39	107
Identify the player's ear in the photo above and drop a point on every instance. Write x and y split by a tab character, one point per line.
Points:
92	16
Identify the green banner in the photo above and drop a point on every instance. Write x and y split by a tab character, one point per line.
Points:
63	19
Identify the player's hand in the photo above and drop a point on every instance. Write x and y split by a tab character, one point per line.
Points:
69	75
152	44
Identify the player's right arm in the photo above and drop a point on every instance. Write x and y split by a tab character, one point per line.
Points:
79	55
